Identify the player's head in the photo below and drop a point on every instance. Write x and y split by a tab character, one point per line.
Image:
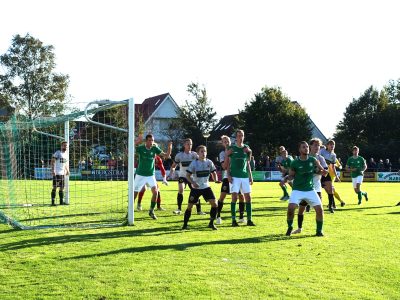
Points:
330	145
239	136
201	151
315	145
226	141
64	145
281	148
356	150
284	153
304	148
149	140
187	144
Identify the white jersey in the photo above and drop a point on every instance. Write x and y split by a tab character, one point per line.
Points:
221	160
330	157
61	161
184	159
201	170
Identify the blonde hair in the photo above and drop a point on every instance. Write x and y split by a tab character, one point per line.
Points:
201	147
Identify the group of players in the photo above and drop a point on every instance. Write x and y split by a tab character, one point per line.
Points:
311	171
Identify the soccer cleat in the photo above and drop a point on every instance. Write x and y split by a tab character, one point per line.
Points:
242	220
286	198
184	227
289	231
139	207
177	212
359	202
342	204
202	213
234	223
331	210
250	223
161	208
298	230
283	197
398	204
152	215
219	221
319	233
366	196
165	182
53	204
212	226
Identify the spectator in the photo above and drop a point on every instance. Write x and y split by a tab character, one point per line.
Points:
111	163
267	163
380	167
388	165
89	163
372	165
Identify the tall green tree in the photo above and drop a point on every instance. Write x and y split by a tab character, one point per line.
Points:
271	119
371	122
196	116
29	80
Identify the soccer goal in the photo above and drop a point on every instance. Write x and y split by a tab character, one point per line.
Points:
98	191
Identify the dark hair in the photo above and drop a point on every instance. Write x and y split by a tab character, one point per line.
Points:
149	136
302	143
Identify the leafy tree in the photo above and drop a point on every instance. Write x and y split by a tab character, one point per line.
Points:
371	122
196	116
29	81
271	119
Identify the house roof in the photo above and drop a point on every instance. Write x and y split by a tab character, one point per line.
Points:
149	106
225	126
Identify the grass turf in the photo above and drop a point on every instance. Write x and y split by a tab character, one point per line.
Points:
358	257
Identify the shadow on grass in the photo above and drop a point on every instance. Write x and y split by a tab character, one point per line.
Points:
394	213
45	241
186	246
360	207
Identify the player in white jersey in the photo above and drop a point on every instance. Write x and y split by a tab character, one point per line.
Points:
183	159
226	186
59	169
198	174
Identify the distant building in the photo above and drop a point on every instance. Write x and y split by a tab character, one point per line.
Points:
157	113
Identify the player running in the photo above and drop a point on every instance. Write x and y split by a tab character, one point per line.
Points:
302	171
357	165
183	159
198	174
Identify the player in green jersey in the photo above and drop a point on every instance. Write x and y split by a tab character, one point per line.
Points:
284	166
239	175
302	171
145	174
357	165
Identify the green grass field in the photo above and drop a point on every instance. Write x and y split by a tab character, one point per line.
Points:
357	259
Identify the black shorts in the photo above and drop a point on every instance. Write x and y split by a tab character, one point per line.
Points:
185	181
58	181
225	186
326	179
195	194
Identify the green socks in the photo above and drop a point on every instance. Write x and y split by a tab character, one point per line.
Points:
319	226
248	210
152	205
233	210
284	189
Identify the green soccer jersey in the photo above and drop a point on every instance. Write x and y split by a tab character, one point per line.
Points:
146	160
358	163
287	162
238	161
303	179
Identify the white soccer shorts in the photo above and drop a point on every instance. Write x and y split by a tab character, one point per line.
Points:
356	180
242	184
317	182
311	197
141	181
